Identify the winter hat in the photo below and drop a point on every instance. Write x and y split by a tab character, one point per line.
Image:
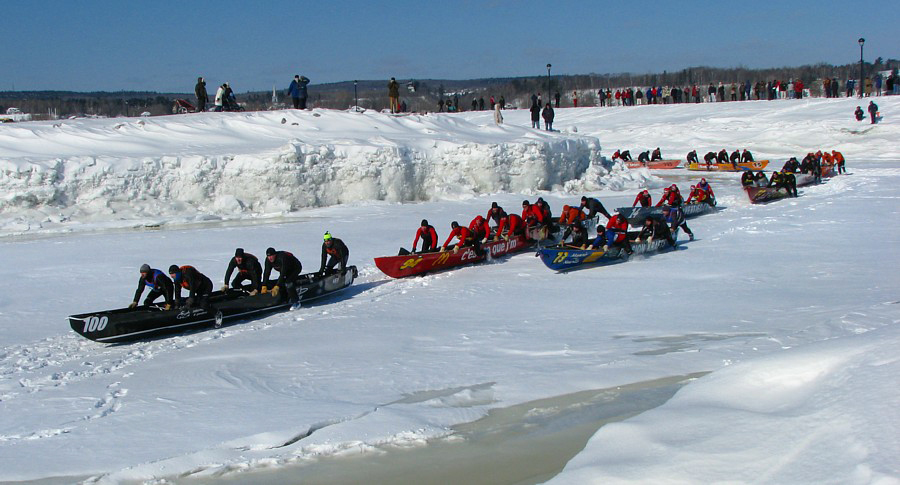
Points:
145	268
424	222
239	253
327	236
270	251
174	269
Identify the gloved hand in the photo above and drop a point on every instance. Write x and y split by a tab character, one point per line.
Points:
496	238
506	237
132	304
168	306
224	288
650	239
606	247
265	289
275	291
253	293
443	249
484	240
455	249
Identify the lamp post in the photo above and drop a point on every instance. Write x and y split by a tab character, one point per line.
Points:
861	75
548	82
355	97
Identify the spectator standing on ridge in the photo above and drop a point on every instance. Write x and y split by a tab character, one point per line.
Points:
202	97
548	115
394	94
220	98
303	93
556	97
498	116
536	116
294	91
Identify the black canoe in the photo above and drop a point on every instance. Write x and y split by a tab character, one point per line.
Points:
637	215
146	321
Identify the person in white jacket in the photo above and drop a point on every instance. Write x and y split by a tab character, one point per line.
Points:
220	94
498	117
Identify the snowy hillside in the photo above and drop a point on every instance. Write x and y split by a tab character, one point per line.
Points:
762	352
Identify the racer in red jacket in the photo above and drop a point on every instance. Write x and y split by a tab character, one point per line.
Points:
463	235
513	224
705	186
643	198
616	234
480	228
429	238
698	194
671	196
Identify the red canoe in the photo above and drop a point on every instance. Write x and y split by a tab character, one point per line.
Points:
655	165
414	264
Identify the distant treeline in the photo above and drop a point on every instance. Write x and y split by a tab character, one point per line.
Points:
423	95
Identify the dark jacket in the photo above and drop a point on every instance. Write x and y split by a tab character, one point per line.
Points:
157	281
594	206
194	281
249	268
287	265
547	114
200	91
337	250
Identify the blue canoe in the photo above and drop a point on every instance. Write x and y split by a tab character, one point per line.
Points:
569	257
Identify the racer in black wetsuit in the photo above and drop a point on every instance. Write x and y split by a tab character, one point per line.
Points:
248	268
288	267
159	284
593	206
198	285
336	252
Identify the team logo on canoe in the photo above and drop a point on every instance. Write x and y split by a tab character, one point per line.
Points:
411	263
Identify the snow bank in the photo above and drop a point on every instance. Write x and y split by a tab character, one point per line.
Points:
821	414
227	165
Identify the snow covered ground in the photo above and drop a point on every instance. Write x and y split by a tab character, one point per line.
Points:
791	308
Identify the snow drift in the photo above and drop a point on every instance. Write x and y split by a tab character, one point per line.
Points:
229	164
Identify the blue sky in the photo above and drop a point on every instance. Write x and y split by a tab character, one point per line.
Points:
164	45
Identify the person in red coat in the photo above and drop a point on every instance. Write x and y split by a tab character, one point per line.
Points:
705	186
671	196
462	234
429	238
513	224
480	228
698	194
616	234
643	198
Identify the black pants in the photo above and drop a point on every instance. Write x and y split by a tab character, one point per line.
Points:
296	102
333	261
153	295
238	282
302	103
201	105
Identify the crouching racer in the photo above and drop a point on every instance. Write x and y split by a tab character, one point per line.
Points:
336	252
198	285
248	268
288	267
159	284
